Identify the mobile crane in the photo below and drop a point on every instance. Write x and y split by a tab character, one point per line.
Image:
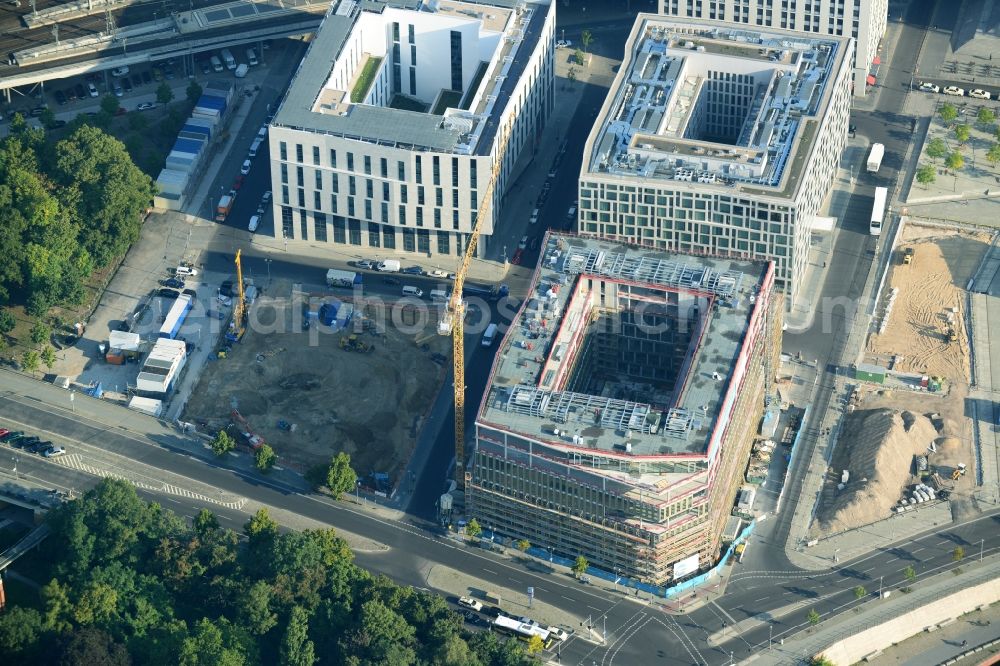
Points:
453	320
238	326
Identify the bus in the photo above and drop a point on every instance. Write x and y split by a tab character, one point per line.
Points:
522	630
878	211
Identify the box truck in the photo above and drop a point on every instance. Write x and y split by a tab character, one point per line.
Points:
875	157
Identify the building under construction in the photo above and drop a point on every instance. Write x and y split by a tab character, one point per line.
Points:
621	408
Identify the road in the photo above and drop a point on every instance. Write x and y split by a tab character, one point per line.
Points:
414	545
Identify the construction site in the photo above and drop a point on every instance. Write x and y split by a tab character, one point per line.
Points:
906	440
318	373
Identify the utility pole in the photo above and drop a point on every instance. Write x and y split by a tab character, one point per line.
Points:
880	587
981	543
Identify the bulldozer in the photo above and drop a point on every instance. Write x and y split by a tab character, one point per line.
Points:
952	334
352	343
908	255
958	472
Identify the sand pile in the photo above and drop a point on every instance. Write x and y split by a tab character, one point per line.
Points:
877	445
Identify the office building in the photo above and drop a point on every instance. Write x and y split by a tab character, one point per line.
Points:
864	20
720	140
620	411
388	136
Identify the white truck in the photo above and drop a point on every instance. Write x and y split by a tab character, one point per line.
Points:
337	278
389	266
875	157
227	57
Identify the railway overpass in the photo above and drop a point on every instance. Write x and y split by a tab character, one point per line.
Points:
56	41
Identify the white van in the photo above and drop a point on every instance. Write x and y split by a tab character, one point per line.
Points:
186	270
254	147
489	334
439	295
216	63
251	57
412	291
254	221
227	57
534	216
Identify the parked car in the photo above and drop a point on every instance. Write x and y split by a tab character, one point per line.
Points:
523	244
3	434
117	88
168	72
266	197
438	273
226	289
469	602
92	90
516	259
412	270
245	169
143	106
37	111
238	183
186	270
71	93
174	282
954	90
979	93
60	98
365	264
206	68
930	87
167	293
12	437
80	91
38	446
120	71
391	280
126	84
56	124
53	451
563	44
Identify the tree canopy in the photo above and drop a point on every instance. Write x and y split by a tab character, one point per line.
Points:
133	583
67	208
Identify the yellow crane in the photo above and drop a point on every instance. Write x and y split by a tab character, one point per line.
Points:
240	306
453	321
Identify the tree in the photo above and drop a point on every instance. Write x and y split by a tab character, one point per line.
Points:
58	607
948	113
586	38
39	333
813	617
580	565
48	356
523	545
296	648
260	524
388	637
7	321
578	57
89	646
30	361
264	458
954	161
473	529
926	174
571	75
909	573
962	133
205	523
213	643
137	122
48	118
936	148
957	554
20	630
535	645
340	478
164	94
193	92
820	660
986	116
223	443
110	105
993	154
255	608
860	592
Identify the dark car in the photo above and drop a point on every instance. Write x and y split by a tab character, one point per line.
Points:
27	442
38	447
365	264
56	124
37	111
391	280
227	288
147	78
412	270
80	91
126	84
136	80
60	98
167	293
191	292
70	93
12	436
174	282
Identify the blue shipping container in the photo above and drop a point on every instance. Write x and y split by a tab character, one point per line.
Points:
188	146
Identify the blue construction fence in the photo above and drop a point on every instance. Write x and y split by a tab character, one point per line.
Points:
658	590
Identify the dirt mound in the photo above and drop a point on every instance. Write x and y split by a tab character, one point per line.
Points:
877	448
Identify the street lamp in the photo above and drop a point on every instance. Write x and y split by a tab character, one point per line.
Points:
835	557
268	262
981	543
357	490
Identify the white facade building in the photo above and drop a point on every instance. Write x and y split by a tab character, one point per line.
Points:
161	368
721	140
389	132
864	20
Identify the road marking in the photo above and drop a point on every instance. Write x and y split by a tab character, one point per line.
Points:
513	579
723	611
491	571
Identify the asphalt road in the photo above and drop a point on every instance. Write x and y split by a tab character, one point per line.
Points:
413	545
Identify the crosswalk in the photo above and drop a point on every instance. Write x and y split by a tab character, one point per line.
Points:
77	462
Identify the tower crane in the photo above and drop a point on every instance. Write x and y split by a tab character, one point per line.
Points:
453	321
240	306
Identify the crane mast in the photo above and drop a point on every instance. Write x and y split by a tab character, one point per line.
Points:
453	322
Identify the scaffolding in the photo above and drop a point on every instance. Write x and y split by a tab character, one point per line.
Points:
665	272
591	410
